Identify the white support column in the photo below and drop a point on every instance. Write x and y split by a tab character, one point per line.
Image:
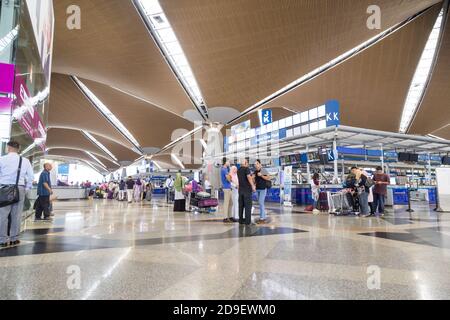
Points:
336	173
382	155
429	168
308	167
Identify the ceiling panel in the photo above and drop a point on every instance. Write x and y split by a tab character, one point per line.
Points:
70	109
121	152
150	125
114	47
434	113
80	155
443	132
241	51
72	139
371	86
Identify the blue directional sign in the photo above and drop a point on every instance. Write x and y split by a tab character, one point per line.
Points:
266	116
331	155
333	116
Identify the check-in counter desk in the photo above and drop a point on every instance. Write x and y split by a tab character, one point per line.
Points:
159	191
64	193
398	195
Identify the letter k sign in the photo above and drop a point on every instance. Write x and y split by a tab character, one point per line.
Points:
333	116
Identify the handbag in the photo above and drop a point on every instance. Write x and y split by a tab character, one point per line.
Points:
9	194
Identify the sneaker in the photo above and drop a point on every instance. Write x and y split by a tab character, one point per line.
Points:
15	243
316	211
261	221
366	215
227	220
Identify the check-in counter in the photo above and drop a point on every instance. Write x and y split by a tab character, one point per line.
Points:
398	195
64	193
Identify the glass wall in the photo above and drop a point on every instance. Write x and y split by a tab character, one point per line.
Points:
31	58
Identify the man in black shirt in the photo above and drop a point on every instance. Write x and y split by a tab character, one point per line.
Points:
130	186
246	188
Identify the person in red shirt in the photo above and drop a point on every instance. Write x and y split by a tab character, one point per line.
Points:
381	180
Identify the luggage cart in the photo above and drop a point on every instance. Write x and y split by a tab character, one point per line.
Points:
338	203
202	203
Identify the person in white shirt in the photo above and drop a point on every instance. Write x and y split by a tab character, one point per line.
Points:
9	166
168	185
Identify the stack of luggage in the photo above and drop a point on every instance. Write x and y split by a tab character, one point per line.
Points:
203	201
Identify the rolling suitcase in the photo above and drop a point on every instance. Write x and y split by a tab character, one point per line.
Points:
323	201
203	195
208	203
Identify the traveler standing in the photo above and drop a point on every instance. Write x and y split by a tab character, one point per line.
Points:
246	187
235	192
122	186
14	170
382	180
363	191
262	179
226	187
180	200
138	191
168	185
44	191
207	185
130	187
315	192
149	191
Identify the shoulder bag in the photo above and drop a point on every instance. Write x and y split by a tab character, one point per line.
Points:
9	194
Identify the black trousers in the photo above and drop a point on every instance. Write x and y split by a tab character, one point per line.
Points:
42	205
245	203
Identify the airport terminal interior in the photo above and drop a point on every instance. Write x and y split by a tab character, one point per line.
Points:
225	150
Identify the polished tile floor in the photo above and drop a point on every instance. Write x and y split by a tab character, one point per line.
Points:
102	249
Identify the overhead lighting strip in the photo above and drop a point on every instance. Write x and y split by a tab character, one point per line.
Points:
100	145
166	39
422	75
95	159
104	110
177	160
157	165
326	67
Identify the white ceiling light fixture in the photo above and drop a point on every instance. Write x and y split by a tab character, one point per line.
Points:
157	165
203	142
177	160
436	137
167	40
95	159
104	110
421	76
100	145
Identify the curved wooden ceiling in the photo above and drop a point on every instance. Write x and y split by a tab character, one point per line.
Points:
150	125
372	86
434	113
114	47
70	109
72	139
241	51
80	155
121	152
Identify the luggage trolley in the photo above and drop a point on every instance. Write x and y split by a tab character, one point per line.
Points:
338	203
202	202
